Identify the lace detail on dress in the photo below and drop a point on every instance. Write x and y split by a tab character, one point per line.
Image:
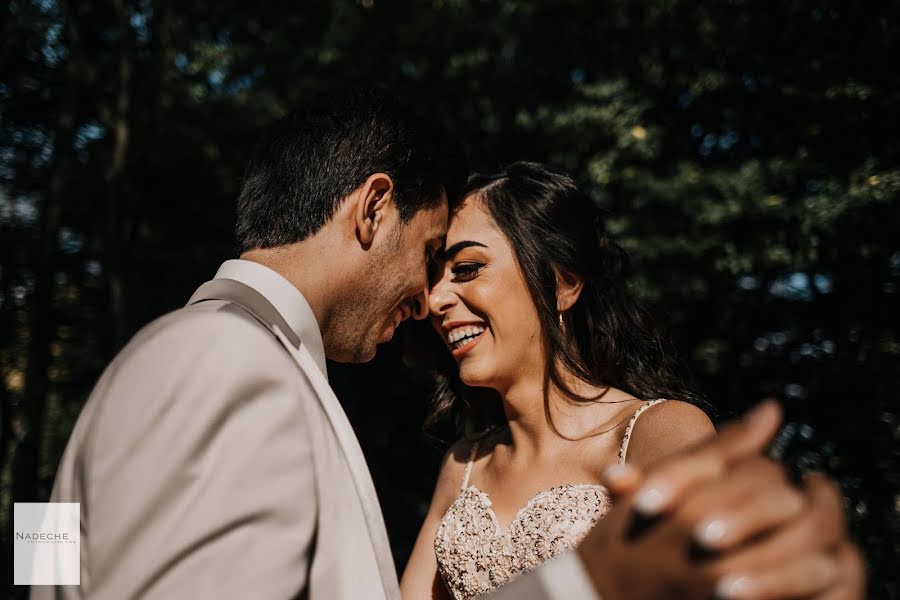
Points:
475	556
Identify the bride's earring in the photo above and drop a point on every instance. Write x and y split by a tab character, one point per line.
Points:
560	320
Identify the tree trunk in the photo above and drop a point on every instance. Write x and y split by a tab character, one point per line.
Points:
42	319
7	324
118	213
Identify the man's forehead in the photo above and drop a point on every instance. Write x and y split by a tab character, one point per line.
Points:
431	223
439	224
438	237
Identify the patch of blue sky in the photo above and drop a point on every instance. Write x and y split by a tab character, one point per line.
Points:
800	286
87	133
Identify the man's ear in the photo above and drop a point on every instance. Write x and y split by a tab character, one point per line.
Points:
372	200
568	289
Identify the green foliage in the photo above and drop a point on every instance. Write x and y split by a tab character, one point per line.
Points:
745	154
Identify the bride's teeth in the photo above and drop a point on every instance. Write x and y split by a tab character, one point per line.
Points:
457	336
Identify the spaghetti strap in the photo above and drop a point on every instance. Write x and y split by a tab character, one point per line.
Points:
623	450
468	472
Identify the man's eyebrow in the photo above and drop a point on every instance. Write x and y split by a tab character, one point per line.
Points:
453	250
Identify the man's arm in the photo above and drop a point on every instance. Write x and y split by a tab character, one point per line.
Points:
199	476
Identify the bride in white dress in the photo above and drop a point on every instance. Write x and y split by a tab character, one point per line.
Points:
548	360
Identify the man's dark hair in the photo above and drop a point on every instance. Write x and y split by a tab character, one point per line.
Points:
312	158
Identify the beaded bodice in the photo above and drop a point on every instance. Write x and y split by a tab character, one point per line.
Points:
475	555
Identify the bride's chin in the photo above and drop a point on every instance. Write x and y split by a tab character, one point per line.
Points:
473	376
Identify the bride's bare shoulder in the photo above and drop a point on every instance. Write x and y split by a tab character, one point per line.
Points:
452	473
453	467
666	428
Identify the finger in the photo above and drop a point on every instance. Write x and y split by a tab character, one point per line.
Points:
801	577
826	506
753	497
784	544
621	479
818	527
754	500
747	436
851	584
666	484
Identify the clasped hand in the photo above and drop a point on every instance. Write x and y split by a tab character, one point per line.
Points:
722	520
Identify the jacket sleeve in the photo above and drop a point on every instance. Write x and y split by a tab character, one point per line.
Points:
197	468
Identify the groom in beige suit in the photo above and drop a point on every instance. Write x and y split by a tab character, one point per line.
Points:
212	459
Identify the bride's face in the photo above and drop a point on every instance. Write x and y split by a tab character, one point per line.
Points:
480	305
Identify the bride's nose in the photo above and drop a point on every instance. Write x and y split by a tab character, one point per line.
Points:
440	299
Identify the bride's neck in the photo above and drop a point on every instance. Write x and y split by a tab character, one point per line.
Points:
538	427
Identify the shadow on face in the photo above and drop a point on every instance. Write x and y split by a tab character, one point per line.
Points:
393	284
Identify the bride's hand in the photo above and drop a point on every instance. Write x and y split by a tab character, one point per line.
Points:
762	537
805	556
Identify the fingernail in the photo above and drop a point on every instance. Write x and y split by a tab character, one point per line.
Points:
711	532
734	587
652	500
619	473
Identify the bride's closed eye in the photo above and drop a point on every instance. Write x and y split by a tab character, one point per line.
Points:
466	271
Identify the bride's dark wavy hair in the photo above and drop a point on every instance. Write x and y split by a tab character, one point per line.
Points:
607	339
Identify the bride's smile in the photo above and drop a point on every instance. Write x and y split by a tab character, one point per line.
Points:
462	337
480	305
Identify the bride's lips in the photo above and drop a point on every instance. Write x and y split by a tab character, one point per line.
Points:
459	352
469	327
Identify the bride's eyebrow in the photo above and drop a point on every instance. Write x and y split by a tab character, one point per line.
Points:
453	250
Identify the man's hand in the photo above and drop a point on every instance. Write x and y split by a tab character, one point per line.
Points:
721	519
807	556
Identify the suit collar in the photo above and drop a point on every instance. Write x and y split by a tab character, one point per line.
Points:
284	297
258	306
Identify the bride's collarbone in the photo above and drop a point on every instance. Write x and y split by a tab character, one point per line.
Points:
513	487
580	458
593	423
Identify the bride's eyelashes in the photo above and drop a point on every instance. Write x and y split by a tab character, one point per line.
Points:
466	271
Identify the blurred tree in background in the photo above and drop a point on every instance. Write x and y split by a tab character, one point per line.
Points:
747	155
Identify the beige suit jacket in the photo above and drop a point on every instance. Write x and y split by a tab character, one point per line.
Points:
212	460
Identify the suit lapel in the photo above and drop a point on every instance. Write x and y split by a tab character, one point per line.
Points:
247	298
260	308
365	488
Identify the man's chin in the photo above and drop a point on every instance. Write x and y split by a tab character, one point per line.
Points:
368	353
362	352
368	356
355	356
364	349
367	350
